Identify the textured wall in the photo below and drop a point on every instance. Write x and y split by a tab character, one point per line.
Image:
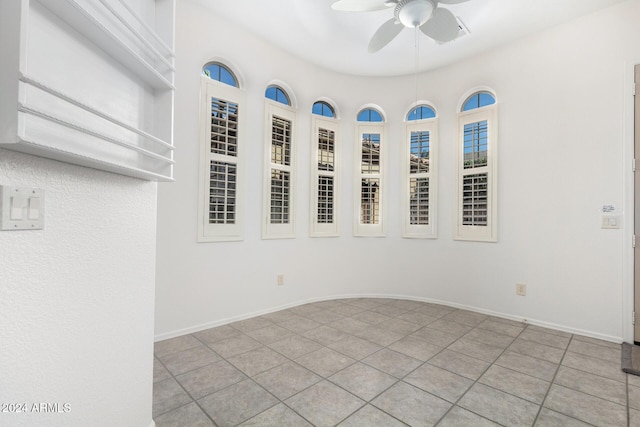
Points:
561	97
76	299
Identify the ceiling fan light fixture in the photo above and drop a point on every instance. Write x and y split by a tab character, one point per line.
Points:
414	13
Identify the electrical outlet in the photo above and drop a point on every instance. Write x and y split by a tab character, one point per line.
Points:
521	289
280	279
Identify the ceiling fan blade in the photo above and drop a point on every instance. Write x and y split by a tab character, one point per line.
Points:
359	5
442	26
384	35
451	1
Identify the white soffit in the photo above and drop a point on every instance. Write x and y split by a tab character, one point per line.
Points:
311	30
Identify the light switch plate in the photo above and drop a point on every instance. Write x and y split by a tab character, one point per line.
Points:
610	221
21	208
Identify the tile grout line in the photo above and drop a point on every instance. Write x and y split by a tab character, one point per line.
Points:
245	333
189	394
413	370
405	310
327	379
257	383
455	404
260	385
544	399
186	391
422	364
367	402
398	380
306	388
552	382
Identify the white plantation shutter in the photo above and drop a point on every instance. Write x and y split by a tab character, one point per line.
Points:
420	179
476	199
223	193
279	202
222	112
370	183
324	178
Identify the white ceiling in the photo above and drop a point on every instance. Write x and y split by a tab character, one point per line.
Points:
311	30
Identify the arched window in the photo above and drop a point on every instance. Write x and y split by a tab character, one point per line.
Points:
325	179
420	173
322	108
277	94
279	197
370	115
421	112
221	73
478	100
222	150
476	199
371	151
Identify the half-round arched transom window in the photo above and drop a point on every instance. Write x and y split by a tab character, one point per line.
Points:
221	73
421	112
277	94
478	100
322	108
370	115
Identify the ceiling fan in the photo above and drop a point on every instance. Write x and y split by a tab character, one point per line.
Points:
436	22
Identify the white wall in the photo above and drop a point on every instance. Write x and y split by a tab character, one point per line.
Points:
561	107
76	299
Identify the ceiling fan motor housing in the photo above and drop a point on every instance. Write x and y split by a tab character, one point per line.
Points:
414	13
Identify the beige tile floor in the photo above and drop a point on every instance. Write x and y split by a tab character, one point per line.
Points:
385	362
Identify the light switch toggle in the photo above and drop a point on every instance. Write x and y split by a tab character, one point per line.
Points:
34	209
18	204
21	208
610	221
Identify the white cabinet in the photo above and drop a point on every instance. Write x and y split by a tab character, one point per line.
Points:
90	82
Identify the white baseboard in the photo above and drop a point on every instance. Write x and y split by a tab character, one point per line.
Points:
225	321
529	321
563	328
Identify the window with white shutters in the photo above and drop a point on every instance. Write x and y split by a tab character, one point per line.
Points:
324	172
420	173
223	193
476	198
220	192
279	191
370	169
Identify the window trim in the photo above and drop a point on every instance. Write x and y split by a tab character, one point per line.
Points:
488	233
317	229
360	229
287	230
220	232
421	231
